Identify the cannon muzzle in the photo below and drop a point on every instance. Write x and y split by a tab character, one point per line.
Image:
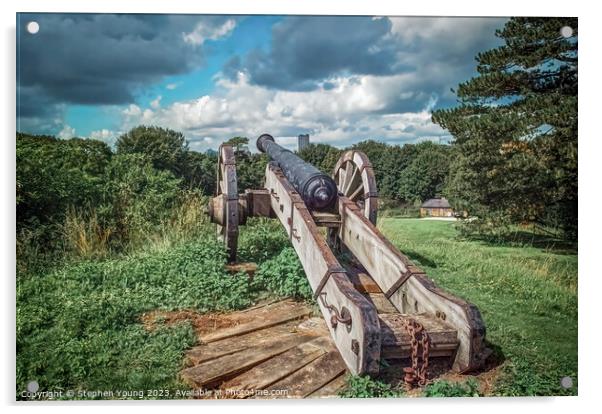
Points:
318	190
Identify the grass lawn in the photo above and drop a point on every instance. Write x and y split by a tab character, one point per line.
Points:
527	297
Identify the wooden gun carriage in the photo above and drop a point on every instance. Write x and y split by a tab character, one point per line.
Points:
376	302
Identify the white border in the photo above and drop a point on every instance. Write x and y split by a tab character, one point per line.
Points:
589	186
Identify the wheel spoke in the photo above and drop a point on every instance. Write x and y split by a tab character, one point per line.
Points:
353	181
359	191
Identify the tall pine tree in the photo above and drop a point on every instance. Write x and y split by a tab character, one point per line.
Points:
516	128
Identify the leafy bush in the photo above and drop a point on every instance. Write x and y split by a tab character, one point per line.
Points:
469	388
165	148
137	197
54	174
366	387
78	327
284	276
261	239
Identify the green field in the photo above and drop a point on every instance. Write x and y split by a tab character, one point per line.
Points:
527	296
79	328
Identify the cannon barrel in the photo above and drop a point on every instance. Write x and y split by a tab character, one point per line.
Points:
318	190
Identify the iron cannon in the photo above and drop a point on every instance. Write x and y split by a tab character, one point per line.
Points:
318	190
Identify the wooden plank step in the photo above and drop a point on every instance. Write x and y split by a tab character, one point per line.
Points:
310	378
396	341
277	368
325	219
223	368
261	318
331	389
227	346
381	303
362	281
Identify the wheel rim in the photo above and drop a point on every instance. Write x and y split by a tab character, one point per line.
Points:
227	187
355	179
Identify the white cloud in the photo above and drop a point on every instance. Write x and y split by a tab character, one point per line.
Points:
350	111
203	32
171	86
66	133
105	135
156	103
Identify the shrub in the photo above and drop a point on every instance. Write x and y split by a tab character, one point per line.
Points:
284	276
261	239
442	388
137	198
366	387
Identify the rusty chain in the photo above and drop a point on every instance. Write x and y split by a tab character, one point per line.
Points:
416	374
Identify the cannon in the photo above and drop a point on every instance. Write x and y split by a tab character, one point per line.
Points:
378	305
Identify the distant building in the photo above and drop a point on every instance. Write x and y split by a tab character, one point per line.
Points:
436	207
303	141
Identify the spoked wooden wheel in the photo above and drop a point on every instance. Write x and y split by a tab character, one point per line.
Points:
354	176
225	205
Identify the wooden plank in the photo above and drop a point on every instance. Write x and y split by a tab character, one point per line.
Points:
311	377
394	333
331	389
221	369
213	350
263	318
381	303
276	368
396	341
362	281
315	326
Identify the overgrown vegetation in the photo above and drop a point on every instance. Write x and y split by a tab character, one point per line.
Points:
442	388
366	387
78	327
284	276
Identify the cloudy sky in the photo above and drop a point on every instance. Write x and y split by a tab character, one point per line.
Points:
340	79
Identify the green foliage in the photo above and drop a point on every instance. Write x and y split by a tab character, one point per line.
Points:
425	174
261	239
78	327
366	387
137	197
526	294
408	174
200	172
250	170
521	378
53	174
283	276
516	128
237	143
165	148
322	156
469	388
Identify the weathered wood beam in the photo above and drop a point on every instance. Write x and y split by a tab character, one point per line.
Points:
352	320
408	288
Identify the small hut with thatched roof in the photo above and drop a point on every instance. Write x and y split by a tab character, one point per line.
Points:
436	207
